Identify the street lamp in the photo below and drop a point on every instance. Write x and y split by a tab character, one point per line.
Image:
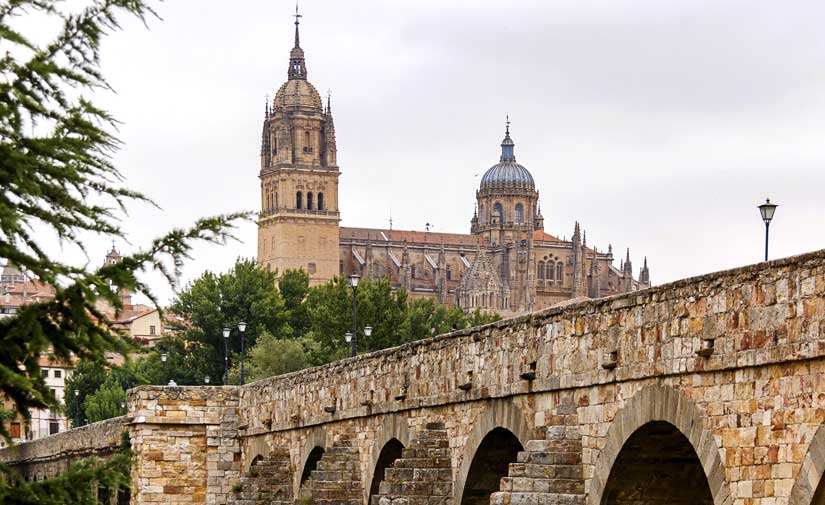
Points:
348	337
767	210
226	332
353	283
242	329
206	379
163	358
367	331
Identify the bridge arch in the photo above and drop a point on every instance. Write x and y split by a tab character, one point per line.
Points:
313	448
501	426
393	432
657	408
809	487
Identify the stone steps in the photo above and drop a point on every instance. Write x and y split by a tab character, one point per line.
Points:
337	478
422	475
549	470
268	482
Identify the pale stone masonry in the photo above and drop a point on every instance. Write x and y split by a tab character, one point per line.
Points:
714	385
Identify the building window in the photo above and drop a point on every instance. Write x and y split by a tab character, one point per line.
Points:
320	201
412	271
340	267
550	267
309	200
519	213
498	212
540	270
449	273
311	268
307	144
58	374
559	272
275	202
54	427
44	372
299	200
152	329
481	215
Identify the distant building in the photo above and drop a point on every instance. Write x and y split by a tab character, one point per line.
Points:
506	264
141	322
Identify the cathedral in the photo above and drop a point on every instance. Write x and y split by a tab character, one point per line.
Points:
506	264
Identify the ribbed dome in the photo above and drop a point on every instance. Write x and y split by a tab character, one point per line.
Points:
297	93
507	173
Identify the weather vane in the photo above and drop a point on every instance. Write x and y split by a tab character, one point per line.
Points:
296	15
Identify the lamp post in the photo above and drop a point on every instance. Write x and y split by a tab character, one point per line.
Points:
353	282
226	332
767	210
242	329
163	357
206	379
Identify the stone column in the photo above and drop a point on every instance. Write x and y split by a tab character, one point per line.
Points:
186	445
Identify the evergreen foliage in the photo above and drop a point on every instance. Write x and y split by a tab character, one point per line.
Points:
107	402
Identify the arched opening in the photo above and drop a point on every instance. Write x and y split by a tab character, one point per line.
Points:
498	211
540	270
299	200
657	465
391	451
550	267
559	272
320	201
490	463
311	464
309	200
519	213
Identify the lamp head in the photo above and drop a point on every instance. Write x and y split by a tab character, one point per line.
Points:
348	337
242	327
353	280
207	379
226	332
367	330
163	357
767	210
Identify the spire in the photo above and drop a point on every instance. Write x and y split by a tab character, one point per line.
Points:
507	144
297	22
329	101
297	66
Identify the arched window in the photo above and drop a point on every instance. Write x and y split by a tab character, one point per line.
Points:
559	272
550	267
320	201
307	145
540	270
519	213
309	200
498	211
449	273
299	200
482	217
412	271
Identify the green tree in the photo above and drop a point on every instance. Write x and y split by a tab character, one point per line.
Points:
272	356
58	178
246	293
294	286
107	402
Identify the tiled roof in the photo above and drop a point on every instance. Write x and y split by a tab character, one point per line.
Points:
413	237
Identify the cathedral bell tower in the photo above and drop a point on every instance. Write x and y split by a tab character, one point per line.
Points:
298	222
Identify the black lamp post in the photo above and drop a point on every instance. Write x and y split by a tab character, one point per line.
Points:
242	329
767	210
163	357
226	332
353	282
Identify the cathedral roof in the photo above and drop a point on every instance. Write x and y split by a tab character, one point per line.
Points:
507	173
410	236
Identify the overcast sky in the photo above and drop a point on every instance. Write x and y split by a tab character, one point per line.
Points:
660	126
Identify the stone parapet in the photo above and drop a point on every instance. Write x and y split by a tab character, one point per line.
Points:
757	315
49	456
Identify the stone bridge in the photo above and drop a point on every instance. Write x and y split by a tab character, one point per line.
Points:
709	390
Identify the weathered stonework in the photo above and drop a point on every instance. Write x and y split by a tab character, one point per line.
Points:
186	444
48	457
715	385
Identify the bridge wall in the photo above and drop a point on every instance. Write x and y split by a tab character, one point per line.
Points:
48	457
732	364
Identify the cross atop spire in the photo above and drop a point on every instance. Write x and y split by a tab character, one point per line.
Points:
297	22
507	144
507	128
